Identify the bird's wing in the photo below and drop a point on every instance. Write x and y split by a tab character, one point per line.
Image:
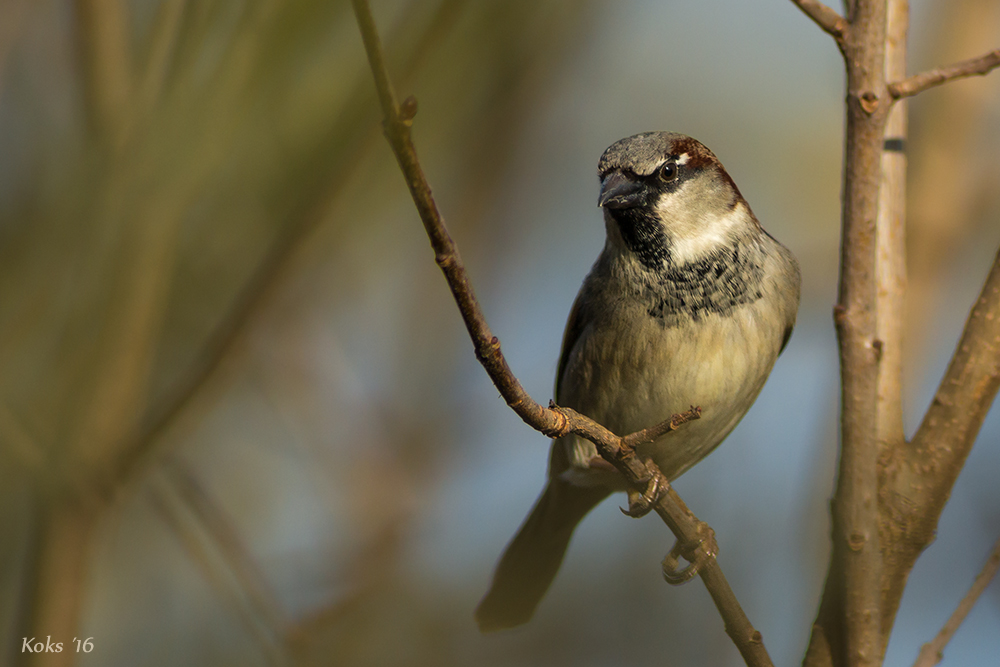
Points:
579	318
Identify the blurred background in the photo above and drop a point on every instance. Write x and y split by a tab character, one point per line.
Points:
240	420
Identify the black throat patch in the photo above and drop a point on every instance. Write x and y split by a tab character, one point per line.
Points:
718	283
644	236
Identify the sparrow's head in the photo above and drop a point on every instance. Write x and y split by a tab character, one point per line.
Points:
668	198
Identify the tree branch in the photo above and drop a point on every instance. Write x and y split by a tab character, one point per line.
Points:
922	476
856	551
935	77
552	421
102	30
902	487
829	20
847	628
933	651
890	292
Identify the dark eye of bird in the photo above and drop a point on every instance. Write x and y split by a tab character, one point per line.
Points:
668	171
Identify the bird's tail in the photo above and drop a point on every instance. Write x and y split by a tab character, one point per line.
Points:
531	560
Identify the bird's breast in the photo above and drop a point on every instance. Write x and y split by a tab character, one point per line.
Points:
630	370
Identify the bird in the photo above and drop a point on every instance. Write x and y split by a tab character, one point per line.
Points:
689	303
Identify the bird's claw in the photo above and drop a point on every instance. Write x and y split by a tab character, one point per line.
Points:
698	552
639	504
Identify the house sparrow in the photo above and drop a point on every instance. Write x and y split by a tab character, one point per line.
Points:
689	303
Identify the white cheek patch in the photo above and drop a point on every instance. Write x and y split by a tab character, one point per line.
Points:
695	232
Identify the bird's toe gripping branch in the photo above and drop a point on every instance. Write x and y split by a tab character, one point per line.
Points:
698	552
640	504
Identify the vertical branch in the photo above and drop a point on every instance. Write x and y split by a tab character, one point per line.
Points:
103	37
66	526
163	43
890	293
919	477
118	398
855	511
889	493
847	627
890	263
67	516
943	196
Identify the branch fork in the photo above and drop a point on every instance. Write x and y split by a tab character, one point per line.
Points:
874	549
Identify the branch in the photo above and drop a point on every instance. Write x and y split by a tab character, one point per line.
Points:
918	83
847	627
965	393
651	434
829	20
211	538
163	44
890	242
856	547
102	30
552	421
933	651
920	476
923	474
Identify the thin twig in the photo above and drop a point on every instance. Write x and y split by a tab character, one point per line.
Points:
933	651
935	77
654	432
552	421
829	20
210	539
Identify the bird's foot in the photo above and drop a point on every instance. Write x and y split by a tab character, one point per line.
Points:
698	551
639	504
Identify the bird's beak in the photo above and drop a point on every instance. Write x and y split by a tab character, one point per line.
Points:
620	191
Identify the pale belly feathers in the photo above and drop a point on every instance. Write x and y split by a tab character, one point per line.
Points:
632	377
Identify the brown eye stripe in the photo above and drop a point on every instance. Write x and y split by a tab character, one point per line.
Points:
698	155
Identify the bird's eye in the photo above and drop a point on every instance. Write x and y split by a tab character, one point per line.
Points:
668	171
